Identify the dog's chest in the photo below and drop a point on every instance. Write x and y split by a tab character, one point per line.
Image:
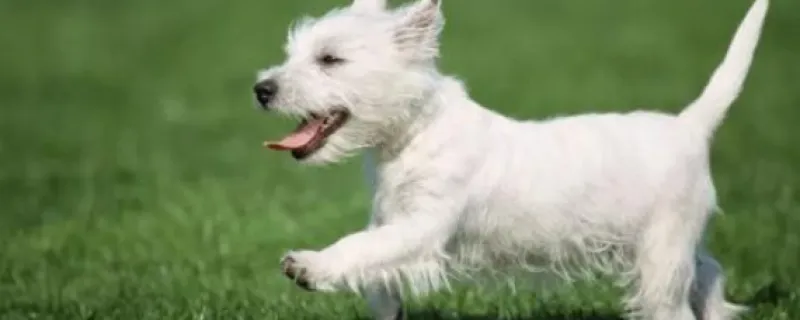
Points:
419	187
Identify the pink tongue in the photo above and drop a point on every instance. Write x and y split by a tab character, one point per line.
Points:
299	138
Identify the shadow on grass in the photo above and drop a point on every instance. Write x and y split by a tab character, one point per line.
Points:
555	315
770	294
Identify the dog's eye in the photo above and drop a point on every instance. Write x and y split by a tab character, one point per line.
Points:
329	60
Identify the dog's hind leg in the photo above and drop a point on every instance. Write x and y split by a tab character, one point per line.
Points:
708	293
665	272
665	254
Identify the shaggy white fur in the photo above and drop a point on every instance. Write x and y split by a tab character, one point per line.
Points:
460	190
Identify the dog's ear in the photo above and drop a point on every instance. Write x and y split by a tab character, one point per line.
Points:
418	29
368	5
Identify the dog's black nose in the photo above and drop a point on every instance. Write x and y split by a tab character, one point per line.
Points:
265	91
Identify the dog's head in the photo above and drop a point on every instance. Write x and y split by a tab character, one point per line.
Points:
353	78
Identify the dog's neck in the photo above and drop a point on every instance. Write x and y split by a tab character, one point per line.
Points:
446	91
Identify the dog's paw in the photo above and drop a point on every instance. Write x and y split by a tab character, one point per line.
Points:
308	270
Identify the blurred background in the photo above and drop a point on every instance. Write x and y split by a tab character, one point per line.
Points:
133	184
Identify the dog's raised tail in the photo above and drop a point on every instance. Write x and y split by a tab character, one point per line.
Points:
708	110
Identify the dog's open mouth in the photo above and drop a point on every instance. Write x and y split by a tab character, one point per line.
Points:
310	134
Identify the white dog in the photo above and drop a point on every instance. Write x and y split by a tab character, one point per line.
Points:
461	190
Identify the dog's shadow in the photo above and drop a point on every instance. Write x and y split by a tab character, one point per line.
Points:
555	315
432	314
768	295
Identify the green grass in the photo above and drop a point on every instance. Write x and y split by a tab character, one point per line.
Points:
133	184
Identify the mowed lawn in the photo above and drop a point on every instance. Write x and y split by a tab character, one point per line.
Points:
133	184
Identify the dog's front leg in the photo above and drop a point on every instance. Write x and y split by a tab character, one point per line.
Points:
412	246
385	302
